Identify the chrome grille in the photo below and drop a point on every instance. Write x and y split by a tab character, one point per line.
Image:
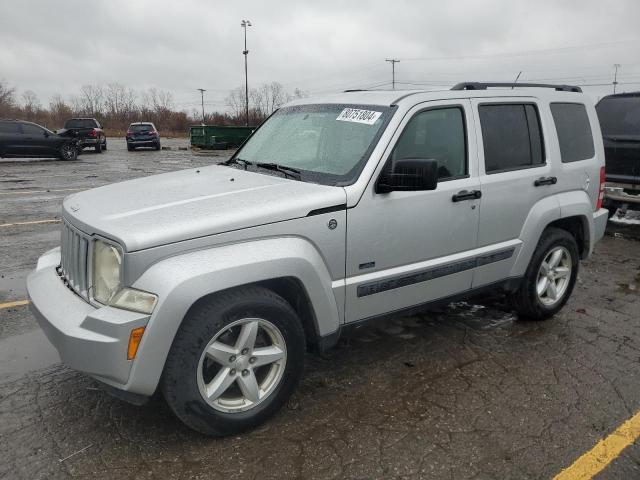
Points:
74	248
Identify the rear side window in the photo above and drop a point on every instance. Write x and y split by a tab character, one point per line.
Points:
512	136
9	127
574	131
437	134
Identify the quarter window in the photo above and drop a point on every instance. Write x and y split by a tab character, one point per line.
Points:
437	134
512	137
574	131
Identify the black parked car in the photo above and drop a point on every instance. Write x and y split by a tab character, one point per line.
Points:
89	132
26	139
619	117
142	134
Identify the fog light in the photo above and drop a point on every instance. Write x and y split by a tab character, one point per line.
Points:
135	300
134	342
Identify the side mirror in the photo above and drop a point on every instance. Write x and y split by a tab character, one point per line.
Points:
410	174
46	134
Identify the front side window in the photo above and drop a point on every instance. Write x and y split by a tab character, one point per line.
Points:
28	129
437	134
574	131
327	143
512	136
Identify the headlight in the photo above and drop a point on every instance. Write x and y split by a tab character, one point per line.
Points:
107	286
107	262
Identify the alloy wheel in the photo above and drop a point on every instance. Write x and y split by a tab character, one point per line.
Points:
554	276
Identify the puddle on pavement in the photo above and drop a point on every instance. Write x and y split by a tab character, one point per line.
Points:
21	354
479	317
13	285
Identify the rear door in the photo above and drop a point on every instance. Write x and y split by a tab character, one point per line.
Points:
10	138
35	140
515	174
619	117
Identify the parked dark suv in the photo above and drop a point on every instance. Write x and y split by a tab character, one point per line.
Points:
26	139
619	117
142	134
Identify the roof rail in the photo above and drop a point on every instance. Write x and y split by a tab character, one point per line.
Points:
355	90
485	85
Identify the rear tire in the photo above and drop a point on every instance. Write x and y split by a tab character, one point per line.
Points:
234	386
157	147
532	300
104	145
130	148
99	147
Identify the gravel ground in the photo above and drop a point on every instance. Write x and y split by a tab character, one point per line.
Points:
466	391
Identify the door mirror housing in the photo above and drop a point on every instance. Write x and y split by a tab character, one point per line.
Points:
409	174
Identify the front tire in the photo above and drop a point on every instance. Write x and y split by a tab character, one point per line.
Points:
68	151
550	276
234	362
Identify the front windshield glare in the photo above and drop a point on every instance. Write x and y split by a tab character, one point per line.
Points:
328	143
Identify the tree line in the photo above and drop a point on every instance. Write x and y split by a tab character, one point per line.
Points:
116	106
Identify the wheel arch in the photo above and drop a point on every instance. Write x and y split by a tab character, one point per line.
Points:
289	266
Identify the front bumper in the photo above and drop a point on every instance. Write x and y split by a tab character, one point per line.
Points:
89	339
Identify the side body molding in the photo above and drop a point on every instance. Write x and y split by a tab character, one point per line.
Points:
181	280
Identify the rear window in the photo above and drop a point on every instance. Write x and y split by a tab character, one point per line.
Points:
574	131
619	115
141	128
512	137
9	127
81	123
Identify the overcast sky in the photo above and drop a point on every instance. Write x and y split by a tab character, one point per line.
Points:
55	47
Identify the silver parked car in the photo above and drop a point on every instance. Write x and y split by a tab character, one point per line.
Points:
209	284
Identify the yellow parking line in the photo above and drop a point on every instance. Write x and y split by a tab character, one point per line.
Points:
17	303
33	222
604	452
31	192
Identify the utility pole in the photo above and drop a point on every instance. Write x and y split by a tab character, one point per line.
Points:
202	90
615	76
393	62
244	24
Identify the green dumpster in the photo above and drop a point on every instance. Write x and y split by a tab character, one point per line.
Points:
218	137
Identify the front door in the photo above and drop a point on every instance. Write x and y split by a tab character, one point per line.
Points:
408	248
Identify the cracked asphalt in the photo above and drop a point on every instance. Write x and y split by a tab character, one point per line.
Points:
463	392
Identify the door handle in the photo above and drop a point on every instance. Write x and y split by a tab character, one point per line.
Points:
545	181
466	195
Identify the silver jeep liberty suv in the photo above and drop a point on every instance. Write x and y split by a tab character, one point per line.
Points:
209	284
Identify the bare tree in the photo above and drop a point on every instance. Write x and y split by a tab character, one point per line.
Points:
7	99
59	110
30	104
91	99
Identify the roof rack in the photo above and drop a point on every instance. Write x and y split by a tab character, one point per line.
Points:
356	90
485	85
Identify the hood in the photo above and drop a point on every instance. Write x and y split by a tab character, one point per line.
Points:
171	207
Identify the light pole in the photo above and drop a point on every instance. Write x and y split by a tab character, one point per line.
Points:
615	76
202	90
244	24
393	62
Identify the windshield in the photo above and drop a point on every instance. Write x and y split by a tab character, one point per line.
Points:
141	128
328	144
80	123
619	115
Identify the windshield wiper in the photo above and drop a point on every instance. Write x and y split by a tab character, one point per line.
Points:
288	171
237	161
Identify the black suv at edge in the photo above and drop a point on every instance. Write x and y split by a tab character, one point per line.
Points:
26	139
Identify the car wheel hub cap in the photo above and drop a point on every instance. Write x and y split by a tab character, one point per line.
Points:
554	276
242	365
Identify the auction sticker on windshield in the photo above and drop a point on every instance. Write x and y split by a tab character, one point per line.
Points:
359	116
